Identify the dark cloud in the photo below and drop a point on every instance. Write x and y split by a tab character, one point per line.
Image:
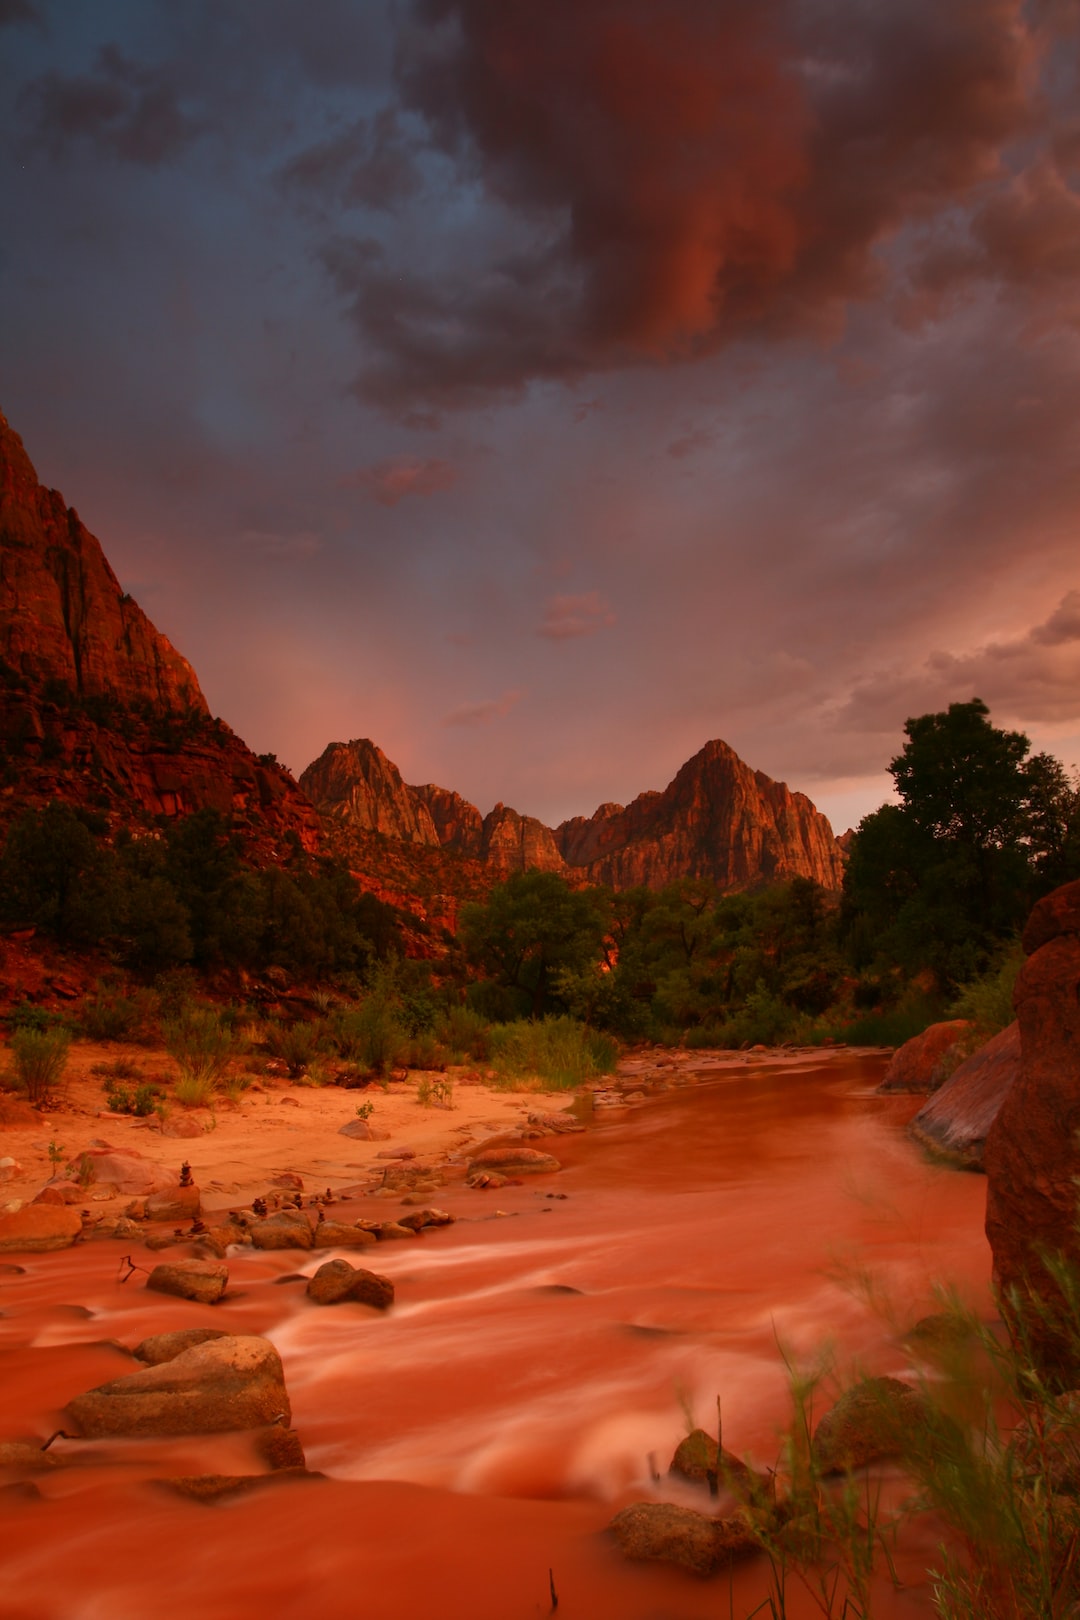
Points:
682	173
14	12
371	164
126	109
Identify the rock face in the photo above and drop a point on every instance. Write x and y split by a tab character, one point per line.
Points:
1032	1159
93	699
718	820
920	1064
956	1120
228	1383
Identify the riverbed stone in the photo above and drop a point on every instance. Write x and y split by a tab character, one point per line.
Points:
162	1347
336	1281
19	1458
39	1228
361	1131
955	1122
872	1420
177	1204
289	1229
923	1063
421	1219
204	1281
279	1447
662	1532
339	1235
236	1382
514	1160
695	1459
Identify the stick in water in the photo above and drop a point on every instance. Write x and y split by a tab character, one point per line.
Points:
554	1594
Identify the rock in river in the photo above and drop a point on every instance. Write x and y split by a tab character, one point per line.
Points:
229	1383
202	1280
956	1120
664	1533
336	1281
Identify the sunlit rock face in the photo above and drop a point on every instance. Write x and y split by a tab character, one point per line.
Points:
718	820
96	706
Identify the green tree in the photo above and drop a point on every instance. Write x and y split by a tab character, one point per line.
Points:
940	879
531	927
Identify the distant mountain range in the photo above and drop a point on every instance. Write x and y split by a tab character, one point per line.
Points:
98	708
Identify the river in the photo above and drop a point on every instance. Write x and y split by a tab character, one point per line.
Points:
544	1356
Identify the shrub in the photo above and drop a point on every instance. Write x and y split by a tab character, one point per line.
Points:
296	1045
28	1016
200	1045
988	1000
194	1091
465	1034
111	1016
40	1057
140	1102
558	1051
370	1034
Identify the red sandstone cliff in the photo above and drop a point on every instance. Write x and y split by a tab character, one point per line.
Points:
718	819
96	707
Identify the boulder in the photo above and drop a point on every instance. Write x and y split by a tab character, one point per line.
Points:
279	1447
361	1131
289	1229
60	1192
16	1115
38	1228
1032	1158
955	1121
338	1235
922	1064
212	1488
423	1218
235	1382
513	1160
388	1231
556	1124
167	1346
336	1281
660	1532
202	1280
871	1420
124	1171
183	1126
178	1204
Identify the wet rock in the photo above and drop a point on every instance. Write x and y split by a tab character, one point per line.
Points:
162	1347
515	1160
922	1064
661	1532
279	1447
202	1280
695	1460
1031	1158
387	1231
212	1488
488	1180
423	1218
956	1121
39	1228
235	1382
17	1457
361	1131
338	1235
178	1204
873	1419
337	1281
60	1192
217	1239
289	1229
556	1124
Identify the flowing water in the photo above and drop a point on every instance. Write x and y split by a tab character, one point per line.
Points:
544	1356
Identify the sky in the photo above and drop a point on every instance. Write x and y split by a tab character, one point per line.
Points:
541	388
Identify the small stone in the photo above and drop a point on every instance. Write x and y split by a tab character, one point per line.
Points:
426	1217
517	1160
24	1459
661	1532
386	1231
361	1131
290	1180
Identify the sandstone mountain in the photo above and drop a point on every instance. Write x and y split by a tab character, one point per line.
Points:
718	819
97	708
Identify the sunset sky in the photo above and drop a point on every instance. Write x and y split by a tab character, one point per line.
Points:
543	387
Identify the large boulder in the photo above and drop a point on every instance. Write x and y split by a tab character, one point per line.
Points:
289	1229
123	1170
178	1204
663	1533
1032	1156
37	1228
167	1346
923	1063
955	1121
229	1383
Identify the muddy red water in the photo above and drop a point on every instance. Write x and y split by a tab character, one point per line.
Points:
543	1355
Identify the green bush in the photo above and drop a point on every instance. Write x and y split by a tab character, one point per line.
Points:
111	1016
988	1000
26	1015
465	1034
558	1051
140	1102
200	1044
370	1035
40	1057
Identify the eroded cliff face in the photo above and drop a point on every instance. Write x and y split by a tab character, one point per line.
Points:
97	708
718	819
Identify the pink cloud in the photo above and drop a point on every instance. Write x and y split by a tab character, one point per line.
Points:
390	481
568	616
482	714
